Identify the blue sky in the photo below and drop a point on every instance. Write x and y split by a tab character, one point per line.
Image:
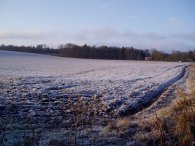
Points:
162	24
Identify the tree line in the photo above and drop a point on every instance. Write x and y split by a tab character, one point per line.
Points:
104	52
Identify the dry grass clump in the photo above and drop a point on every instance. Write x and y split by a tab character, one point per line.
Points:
177	126
123	123
183	113
117	127
154	131
141	137
119	124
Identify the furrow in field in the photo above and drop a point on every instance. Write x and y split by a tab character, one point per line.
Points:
150	96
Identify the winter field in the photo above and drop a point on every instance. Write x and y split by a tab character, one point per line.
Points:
40	86
120	84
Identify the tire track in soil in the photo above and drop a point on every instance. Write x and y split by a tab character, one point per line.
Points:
148	99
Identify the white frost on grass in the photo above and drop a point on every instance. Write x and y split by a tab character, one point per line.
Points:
122	85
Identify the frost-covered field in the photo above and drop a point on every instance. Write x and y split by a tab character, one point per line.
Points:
43	97
123	86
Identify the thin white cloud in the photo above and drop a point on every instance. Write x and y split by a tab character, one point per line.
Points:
184	36
166	42
22	35
104	35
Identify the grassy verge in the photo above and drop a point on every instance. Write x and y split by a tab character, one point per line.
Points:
183	111
176	124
